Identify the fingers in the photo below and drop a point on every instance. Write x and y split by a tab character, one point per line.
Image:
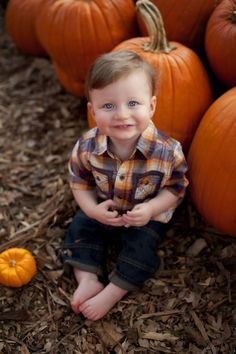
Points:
132	216
135	212
109	203
116	221
112	214
134	219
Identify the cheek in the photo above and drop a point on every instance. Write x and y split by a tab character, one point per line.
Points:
144	114
101	120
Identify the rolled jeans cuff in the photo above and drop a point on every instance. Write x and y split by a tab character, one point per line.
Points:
122	283
84	267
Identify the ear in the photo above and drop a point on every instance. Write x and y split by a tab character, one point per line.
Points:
90	108
153	105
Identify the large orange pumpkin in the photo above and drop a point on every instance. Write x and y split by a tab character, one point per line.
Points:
72	86
17	267
20	24
183	89
212	164
74	33
185	20
220	42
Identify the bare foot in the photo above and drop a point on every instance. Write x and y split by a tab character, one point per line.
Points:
98	306
88	287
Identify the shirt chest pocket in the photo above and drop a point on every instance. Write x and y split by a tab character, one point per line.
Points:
146	185
103	181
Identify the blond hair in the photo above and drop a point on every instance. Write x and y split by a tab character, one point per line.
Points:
110	67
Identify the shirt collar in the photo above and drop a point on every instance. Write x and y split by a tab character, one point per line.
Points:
101	143
145	142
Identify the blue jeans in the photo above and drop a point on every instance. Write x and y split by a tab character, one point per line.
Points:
86	244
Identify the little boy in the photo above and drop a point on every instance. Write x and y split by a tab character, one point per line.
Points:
127	178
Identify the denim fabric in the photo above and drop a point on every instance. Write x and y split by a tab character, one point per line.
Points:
86	244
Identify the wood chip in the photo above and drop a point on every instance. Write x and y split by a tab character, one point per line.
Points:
159	336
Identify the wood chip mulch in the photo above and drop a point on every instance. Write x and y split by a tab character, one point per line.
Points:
187	307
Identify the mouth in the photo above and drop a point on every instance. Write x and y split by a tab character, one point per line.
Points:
123	126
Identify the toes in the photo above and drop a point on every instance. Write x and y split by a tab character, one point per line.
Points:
95	317
83	307
90	315
88	311
75	307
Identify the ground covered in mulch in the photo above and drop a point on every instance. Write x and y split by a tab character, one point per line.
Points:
187	307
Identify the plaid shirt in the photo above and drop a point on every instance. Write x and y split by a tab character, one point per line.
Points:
156	163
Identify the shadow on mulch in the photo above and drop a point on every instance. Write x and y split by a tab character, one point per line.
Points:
187	307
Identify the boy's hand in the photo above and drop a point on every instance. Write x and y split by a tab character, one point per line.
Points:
105	216
140	215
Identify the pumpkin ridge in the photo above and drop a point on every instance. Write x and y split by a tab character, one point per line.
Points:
62	15
49	30
80	36
3	267
12	275
118	11
105	22
69	14
18	270
12	254
173	95
19	275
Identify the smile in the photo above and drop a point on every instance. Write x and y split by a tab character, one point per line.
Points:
123	126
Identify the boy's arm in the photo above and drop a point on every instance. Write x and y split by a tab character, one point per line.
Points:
167	198
83	187
163	201
87	200
142	213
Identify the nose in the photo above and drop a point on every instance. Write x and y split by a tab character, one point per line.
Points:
122	112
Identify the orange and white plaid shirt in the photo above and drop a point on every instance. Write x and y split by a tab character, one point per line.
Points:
157	162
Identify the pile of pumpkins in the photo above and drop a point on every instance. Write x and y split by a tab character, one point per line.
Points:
191	44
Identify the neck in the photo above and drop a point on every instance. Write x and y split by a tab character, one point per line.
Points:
122	149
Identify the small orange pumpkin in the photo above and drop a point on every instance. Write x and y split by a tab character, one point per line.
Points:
17	267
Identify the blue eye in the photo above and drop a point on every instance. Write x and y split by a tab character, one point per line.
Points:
132	103
108	106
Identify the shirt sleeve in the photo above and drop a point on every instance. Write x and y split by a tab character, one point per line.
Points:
178	182
80	175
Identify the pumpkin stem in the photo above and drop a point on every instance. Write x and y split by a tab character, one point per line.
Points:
233	16
12	263
153	20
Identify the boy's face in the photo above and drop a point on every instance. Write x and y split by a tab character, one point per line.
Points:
123	109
